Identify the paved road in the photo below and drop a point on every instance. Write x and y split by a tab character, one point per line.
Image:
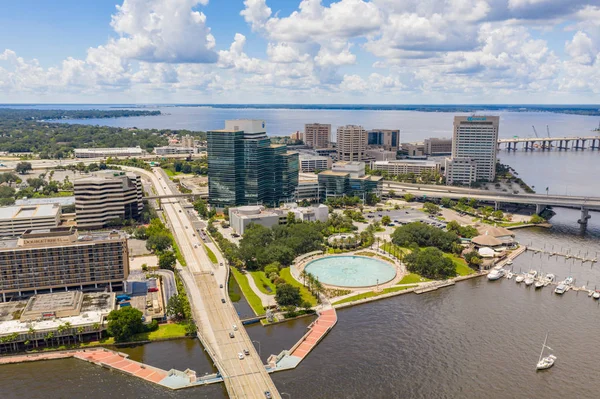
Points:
483	195
169	285
245	378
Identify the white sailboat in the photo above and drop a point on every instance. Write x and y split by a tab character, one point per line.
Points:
548	361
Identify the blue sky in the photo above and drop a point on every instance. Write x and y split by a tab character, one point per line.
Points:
310	51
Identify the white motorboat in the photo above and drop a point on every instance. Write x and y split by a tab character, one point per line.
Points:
528	281
520	278
568	280
496	274
560	289
533	273
550	277
539	283
545	362
596	295
509	275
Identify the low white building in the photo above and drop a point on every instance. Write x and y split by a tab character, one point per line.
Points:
173	150
241	217
108	152
355	168
405	166
16	219
311	163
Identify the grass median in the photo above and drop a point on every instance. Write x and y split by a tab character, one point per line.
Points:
211	254
262	282
372	294
253	299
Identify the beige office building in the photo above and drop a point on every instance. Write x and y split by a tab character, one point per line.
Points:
406	166
435	146
317	135
351	143
43	260
106	196
16	219
461	171
476	138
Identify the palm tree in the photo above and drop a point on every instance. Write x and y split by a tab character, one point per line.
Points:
60	330
80	330
96	327
303	277
318	289
49	337
31	334
69	330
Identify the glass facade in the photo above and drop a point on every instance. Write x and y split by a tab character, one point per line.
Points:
249	170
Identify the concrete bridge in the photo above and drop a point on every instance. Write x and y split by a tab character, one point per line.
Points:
203	195
548	143
585	204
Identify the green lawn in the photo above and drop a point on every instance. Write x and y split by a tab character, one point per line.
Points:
171	330
171	173
371	294
413	278
211	254
261	280
462	269
306	295
231	288
392	248
253	299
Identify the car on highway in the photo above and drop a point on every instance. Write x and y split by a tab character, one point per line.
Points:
246	352
221	263
231	335
235	235
240	355
267	394
234	327
223	300
220	285
195	245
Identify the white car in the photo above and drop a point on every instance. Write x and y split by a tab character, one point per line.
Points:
240	355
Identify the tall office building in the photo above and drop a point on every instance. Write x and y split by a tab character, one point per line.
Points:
351	143
387	139
317	135
106	196
475	138
244	168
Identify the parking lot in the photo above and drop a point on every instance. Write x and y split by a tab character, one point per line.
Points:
405	216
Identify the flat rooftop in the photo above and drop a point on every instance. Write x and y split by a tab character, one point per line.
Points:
62	201
28	211
407	162
94	307
13	242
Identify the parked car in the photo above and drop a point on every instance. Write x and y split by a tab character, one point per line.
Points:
153	289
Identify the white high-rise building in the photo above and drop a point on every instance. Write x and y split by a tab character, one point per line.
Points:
351	143
475	139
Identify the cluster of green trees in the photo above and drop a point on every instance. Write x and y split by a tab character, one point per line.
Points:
36	187
160	241
179	309
473	259
26	130
431	208
430	262
133	162
423	235
351	201
462	231
126	322
195	166
260	245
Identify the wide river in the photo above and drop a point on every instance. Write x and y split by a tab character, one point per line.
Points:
478	339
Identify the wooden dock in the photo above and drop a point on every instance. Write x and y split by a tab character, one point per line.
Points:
566	255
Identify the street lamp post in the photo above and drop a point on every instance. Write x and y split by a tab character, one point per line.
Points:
259	352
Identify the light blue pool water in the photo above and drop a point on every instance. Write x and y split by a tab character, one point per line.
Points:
351	271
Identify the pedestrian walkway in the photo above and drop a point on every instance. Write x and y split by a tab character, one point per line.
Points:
318	330
267	300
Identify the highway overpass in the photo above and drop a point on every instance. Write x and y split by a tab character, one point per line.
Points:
585	204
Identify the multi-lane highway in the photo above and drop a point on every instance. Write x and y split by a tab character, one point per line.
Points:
219	326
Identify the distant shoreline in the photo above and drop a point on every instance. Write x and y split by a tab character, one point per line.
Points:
573	109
